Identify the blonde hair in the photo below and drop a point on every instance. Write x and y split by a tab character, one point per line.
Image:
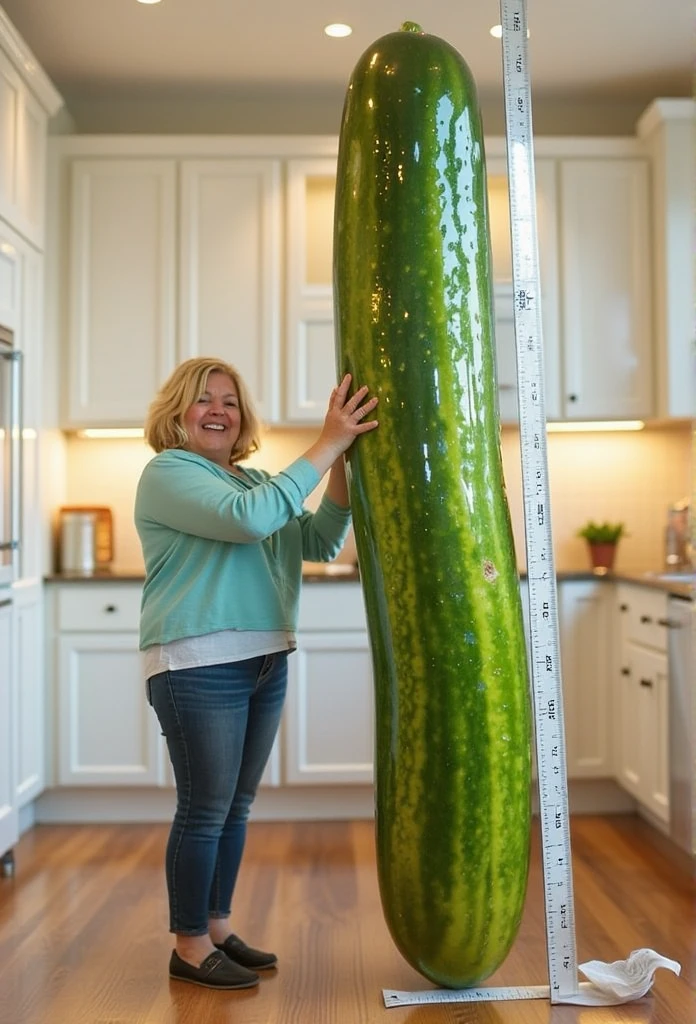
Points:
164	426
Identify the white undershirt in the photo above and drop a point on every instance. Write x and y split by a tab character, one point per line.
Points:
216	649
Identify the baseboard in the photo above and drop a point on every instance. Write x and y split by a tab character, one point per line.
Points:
286	803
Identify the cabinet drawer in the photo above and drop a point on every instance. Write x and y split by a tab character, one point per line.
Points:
645	614
332	606
99	606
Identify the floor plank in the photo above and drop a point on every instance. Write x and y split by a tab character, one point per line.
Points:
83	935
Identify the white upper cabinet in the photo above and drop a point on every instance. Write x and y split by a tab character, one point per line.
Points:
311	361
168	258
121	326
230	270
606	287
178	248
668	129
311	357
547	234
22	155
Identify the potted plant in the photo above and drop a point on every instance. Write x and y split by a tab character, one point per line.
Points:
602	540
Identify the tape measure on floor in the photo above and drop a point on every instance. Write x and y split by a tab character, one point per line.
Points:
543	612
544	641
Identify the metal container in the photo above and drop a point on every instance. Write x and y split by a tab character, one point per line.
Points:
85	540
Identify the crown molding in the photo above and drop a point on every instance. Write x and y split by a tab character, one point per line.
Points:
28	67
662	110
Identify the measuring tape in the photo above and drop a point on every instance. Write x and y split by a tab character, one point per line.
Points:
543	611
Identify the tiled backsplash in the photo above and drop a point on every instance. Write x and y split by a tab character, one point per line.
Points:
629	477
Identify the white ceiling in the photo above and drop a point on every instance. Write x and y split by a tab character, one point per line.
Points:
587	49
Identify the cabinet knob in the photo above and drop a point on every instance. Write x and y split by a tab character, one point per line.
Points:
572	398
646	618
623	607
110	608
646	682
625	671
669	623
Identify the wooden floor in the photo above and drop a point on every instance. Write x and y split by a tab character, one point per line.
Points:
83	933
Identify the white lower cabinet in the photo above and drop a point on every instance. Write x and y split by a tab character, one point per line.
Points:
108	735
107	732
584	608
9	819
328	730
28	703
643	698
329	719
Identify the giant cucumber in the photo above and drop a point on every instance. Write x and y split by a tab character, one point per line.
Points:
414	321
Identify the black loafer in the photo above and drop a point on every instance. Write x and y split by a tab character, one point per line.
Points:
216	971
245	955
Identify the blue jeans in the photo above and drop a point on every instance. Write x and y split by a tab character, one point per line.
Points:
219	722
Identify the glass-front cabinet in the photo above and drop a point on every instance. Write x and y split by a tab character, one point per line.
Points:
311	367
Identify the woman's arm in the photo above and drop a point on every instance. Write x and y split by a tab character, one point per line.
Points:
337	485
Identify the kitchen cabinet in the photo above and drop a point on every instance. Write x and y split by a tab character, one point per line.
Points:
668	130
309	249
28	701
545	174
229	270
9	815
584	613
606	287
643	698
328	731
168	259
107	734
23	122
311	360
122	288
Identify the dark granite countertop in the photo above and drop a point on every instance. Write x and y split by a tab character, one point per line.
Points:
341	572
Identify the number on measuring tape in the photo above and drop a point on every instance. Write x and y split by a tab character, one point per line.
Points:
543	613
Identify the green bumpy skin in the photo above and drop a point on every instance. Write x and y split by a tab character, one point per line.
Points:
414	321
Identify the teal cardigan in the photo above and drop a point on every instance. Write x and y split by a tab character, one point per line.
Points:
223	552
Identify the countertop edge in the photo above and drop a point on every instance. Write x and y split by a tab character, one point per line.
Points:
684	589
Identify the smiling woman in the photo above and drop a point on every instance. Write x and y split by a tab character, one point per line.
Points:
223	547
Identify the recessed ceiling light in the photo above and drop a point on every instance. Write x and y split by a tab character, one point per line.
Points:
148	1
338	31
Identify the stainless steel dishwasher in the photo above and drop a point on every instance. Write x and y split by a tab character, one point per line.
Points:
681	621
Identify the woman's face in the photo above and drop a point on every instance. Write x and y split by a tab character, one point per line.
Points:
214	420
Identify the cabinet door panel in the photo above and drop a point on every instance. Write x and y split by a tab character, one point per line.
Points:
314	367
649	676
606	288
108	734
31	162
28	703
9	823
329	716
122	238
230	269
10	87
547	232
584	609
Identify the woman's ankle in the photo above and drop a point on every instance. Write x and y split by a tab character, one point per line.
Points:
219	929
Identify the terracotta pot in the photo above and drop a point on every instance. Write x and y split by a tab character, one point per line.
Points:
602	556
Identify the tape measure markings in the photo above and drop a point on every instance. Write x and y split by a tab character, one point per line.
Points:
543	611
